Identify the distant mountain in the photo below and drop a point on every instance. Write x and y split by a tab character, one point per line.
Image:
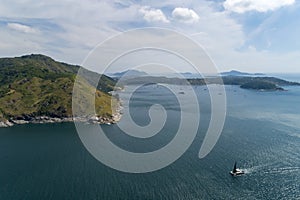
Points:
187	73
238	73
128	73
34	85
190	75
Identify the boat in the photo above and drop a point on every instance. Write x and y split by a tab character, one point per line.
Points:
236	171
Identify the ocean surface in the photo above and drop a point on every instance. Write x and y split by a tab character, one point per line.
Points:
261	133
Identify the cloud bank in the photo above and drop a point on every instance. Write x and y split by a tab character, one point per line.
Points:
264	40
242	6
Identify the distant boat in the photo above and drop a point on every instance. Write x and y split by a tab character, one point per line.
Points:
236	171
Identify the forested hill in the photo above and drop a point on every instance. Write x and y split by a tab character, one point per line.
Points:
36	85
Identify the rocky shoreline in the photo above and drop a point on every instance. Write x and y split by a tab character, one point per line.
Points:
47	119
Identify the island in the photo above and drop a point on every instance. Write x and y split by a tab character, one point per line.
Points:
263	83
37	89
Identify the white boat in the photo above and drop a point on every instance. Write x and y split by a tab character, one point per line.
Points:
236	171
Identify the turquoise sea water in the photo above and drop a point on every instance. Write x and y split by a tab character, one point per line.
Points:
261	132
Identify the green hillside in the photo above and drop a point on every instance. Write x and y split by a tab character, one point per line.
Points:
37	85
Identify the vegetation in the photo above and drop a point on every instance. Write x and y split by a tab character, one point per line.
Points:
36	85
260	85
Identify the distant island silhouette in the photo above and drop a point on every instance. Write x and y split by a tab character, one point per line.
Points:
245	82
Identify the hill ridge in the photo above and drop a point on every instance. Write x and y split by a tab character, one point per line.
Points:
36	88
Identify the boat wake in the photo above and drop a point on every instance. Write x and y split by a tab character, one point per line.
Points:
254	169
266	170
283	170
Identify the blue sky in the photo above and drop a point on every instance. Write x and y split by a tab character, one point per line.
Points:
248	35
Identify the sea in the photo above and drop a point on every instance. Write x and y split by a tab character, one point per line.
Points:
261	133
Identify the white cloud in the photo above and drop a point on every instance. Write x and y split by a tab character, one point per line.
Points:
241	6
153	15
185	15
21	28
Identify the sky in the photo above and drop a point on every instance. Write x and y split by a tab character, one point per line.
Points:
246	35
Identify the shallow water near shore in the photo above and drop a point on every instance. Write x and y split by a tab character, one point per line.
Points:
261	132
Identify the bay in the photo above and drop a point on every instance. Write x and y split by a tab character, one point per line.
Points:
261	132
